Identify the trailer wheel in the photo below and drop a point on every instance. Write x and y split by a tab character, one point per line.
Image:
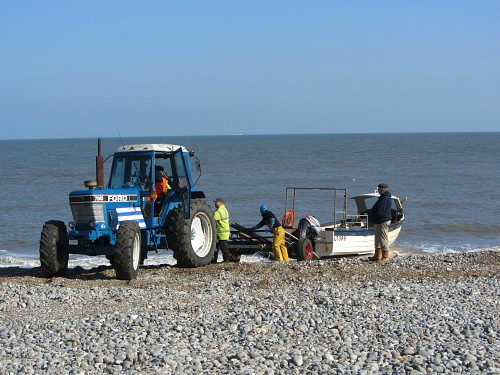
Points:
54	254
128	250
304	249
192	240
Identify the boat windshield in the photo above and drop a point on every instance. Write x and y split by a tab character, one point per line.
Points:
367	203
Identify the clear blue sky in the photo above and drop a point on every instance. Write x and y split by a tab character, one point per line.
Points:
71	69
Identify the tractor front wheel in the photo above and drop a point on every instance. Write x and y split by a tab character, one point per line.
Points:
192	240
54	254
127	255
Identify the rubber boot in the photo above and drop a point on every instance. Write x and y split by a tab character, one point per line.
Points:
215	258
377	256
385	256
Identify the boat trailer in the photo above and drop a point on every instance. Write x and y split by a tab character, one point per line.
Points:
244	241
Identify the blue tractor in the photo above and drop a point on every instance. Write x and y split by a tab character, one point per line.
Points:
128	218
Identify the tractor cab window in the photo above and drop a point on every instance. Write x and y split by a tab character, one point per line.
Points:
165	163
182	176
130	170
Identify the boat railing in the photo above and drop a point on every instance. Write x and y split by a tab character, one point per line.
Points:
357	221
338	196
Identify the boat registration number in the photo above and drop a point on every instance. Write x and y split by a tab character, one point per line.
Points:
339	238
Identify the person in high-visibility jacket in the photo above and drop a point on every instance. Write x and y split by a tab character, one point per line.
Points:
161	181
161	188
221	216
279	247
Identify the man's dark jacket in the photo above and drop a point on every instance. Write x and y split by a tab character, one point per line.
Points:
381	210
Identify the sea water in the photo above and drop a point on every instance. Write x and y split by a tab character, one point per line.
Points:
450	180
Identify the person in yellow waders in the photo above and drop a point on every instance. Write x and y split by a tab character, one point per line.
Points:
279	247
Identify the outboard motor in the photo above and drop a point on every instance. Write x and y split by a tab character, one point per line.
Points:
309	226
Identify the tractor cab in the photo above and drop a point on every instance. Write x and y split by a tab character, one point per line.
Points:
160	172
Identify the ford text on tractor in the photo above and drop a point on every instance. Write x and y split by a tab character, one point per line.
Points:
129	217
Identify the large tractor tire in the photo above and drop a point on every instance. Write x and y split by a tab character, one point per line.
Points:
127	255
144	256
304	249
54	254
192	240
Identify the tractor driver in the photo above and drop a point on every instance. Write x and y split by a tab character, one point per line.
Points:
162	185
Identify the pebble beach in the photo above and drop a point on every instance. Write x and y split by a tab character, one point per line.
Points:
418	314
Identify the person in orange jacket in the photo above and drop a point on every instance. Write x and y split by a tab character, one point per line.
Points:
161	187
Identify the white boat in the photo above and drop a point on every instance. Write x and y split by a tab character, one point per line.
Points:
346	233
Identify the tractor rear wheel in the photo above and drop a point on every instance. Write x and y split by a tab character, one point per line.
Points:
128	250
54	254
304	249
192	240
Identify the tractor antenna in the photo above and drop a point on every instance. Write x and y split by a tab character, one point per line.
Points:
119	135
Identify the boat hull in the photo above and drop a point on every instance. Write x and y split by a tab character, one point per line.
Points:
353	241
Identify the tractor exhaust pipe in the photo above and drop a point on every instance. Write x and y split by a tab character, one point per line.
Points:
99	166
